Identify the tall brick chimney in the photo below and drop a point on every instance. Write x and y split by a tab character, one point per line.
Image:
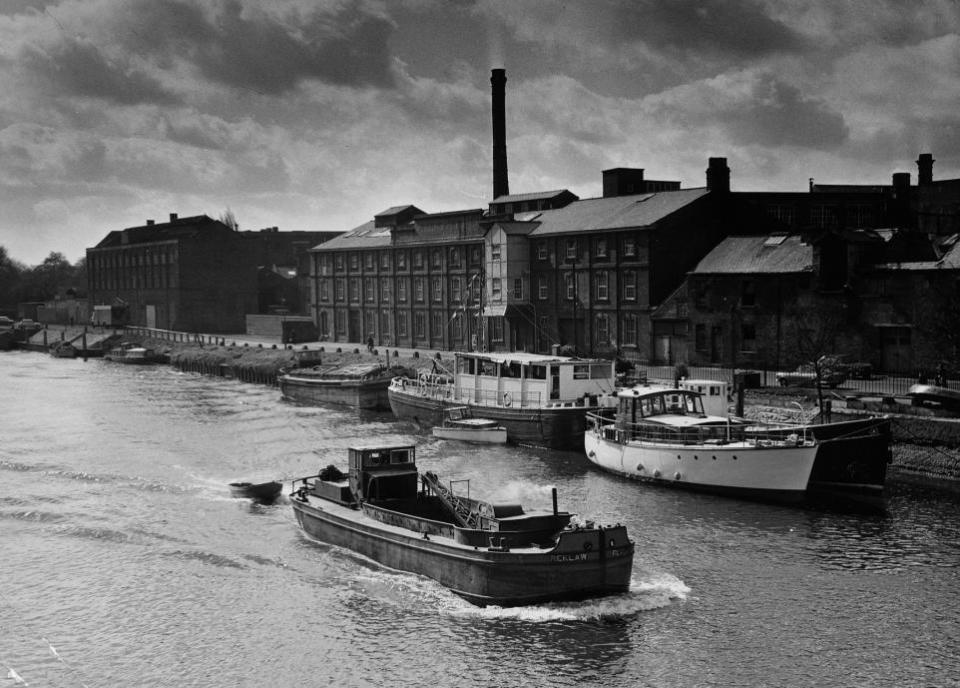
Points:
498	82
925	169
718	175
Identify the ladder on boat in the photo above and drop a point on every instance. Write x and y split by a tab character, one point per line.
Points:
460	507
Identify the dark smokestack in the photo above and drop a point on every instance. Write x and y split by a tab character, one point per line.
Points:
718	175
925	169
498	82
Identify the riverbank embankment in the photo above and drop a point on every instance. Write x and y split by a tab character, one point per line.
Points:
924	450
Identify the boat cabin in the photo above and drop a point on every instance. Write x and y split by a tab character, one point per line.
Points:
643	403
531	380
379	473
714	394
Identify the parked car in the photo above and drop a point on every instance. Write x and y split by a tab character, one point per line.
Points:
857	370
832	375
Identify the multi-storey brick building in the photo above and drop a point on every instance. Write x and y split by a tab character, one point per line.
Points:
407	278
189	274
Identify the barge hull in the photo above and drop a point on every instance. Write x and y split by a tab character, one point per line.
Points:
571	571
554	427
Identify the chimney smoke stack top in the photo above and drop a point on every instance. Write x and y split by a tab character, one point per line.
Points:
498	82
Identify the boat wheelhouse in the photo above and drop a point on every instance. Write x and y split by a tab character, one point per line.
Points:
540	399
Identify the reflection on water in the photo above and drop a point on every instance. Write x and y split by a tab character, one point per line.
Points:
123	549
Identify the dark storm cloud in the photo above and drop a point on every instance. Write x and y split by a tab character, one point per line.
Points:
736	28
260	52
77	67
777	114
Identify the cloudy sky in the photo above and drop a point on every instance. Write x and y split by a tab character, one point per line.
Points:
316	115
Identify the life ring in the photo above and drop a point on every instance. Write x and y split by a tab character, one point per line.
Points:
507	399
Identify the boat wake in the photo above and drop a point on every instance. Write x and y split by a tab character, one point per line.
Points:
648	592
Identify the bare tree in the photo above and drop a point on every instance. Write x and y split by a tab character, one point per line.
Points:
230	220
811	333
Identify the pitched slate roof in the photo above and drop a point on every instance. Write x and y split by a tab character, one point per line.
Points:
949	261
180	228
534	196
366	235
618	212
739	255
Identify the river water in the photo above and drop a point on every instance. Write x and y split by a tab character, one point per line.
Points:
125	562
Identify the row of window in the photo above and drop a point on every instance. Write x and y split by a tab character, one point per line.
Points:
148	277
601	248
131	258
604	326
462	289
327	263
349	289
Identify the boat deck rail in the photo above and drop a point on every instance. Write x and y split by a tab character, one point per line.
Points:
719	434
445	390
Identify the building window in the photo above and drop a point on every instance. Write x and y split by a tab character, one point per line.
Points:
437	326
629	285
354	261
700	337
402	289
474	255
338	261
417	260
385	260
572	250
630	328
324	290
455	289
603	286
543	288
748	293
601	248
496	329
784	213
368	260
354	289
385	327
420	325
475	288
496	291
418	289
324	324
542	250
341	289
518	289
368	289
454	257
437	289
748	337
603	328
629	247
401	324
823	216
385	291
436	258
402	260
341	322
495	252
571	282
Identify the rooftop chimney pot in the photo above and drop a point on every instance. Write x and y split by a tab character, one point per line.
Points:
718	175
925	169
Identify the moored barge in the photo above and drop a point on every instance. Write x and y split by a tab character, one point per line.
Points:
541	400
